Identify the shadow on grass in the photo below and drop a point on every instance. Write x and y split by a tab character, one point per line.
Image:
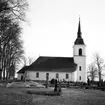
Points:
48	93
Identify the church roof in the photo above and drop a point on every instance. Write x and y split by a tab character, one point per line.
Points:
79	39
54	64
23	69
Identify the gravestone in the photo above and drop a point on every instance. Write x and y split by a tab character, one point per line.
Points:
55	88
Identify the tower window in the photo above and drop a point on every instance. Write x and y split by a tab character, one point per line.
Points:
57	75
79	77
80	51
67	76
79	68
37	75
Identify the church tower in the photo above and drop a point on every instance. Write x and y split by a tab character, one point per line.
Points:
79	55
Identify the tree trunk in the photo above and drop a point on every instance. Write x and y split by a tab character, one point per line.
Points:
100	77
3	74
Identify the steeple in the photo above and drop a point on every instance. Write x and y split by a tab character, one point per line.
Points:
79	30
79	40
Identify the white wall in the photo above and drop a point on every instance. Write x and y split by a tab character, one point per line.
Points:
80	61
76	49
19	76
74	76
31	75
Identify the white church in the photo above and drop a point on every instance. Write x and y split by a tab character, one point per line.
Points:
60	68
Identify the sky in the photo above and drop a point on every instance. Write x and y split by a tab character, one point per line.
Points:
53	24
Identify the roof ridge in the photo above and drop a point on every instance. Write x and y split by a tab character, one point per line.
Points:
55	57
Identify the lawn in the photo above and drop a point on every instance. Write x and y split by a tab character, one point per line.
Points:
19	96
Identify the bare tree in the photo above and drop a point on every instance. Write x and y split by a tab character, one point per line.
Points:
30	60
27	60
92	72
12	50
99	63
24	61
11	13
15	9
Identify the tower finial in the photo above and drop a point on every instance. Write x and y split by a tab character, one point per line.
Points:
79	17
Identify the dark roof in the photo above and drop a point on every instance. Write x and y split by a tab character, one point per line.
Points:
62	64
79	39
23	69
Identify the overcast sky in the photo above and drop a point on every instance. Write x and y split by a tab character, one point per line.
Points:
53	27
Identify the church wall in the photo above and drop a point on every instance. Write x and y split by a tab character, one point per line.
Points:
80	60
76	49
74	76
31	75
19	76
82	73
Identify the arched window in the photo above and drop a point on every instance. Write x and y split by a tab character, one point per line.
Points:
37	75
80	51
57	75
79	77
67	76
79	68
47	75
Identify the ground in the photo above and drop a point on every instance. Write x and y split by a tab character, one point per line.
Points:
19	96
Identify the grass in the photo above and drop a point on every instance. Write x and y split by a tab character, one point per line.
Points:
19	96
14	96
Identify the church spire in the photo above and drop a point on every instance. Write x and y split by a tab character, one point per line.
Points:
79	30
79	40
